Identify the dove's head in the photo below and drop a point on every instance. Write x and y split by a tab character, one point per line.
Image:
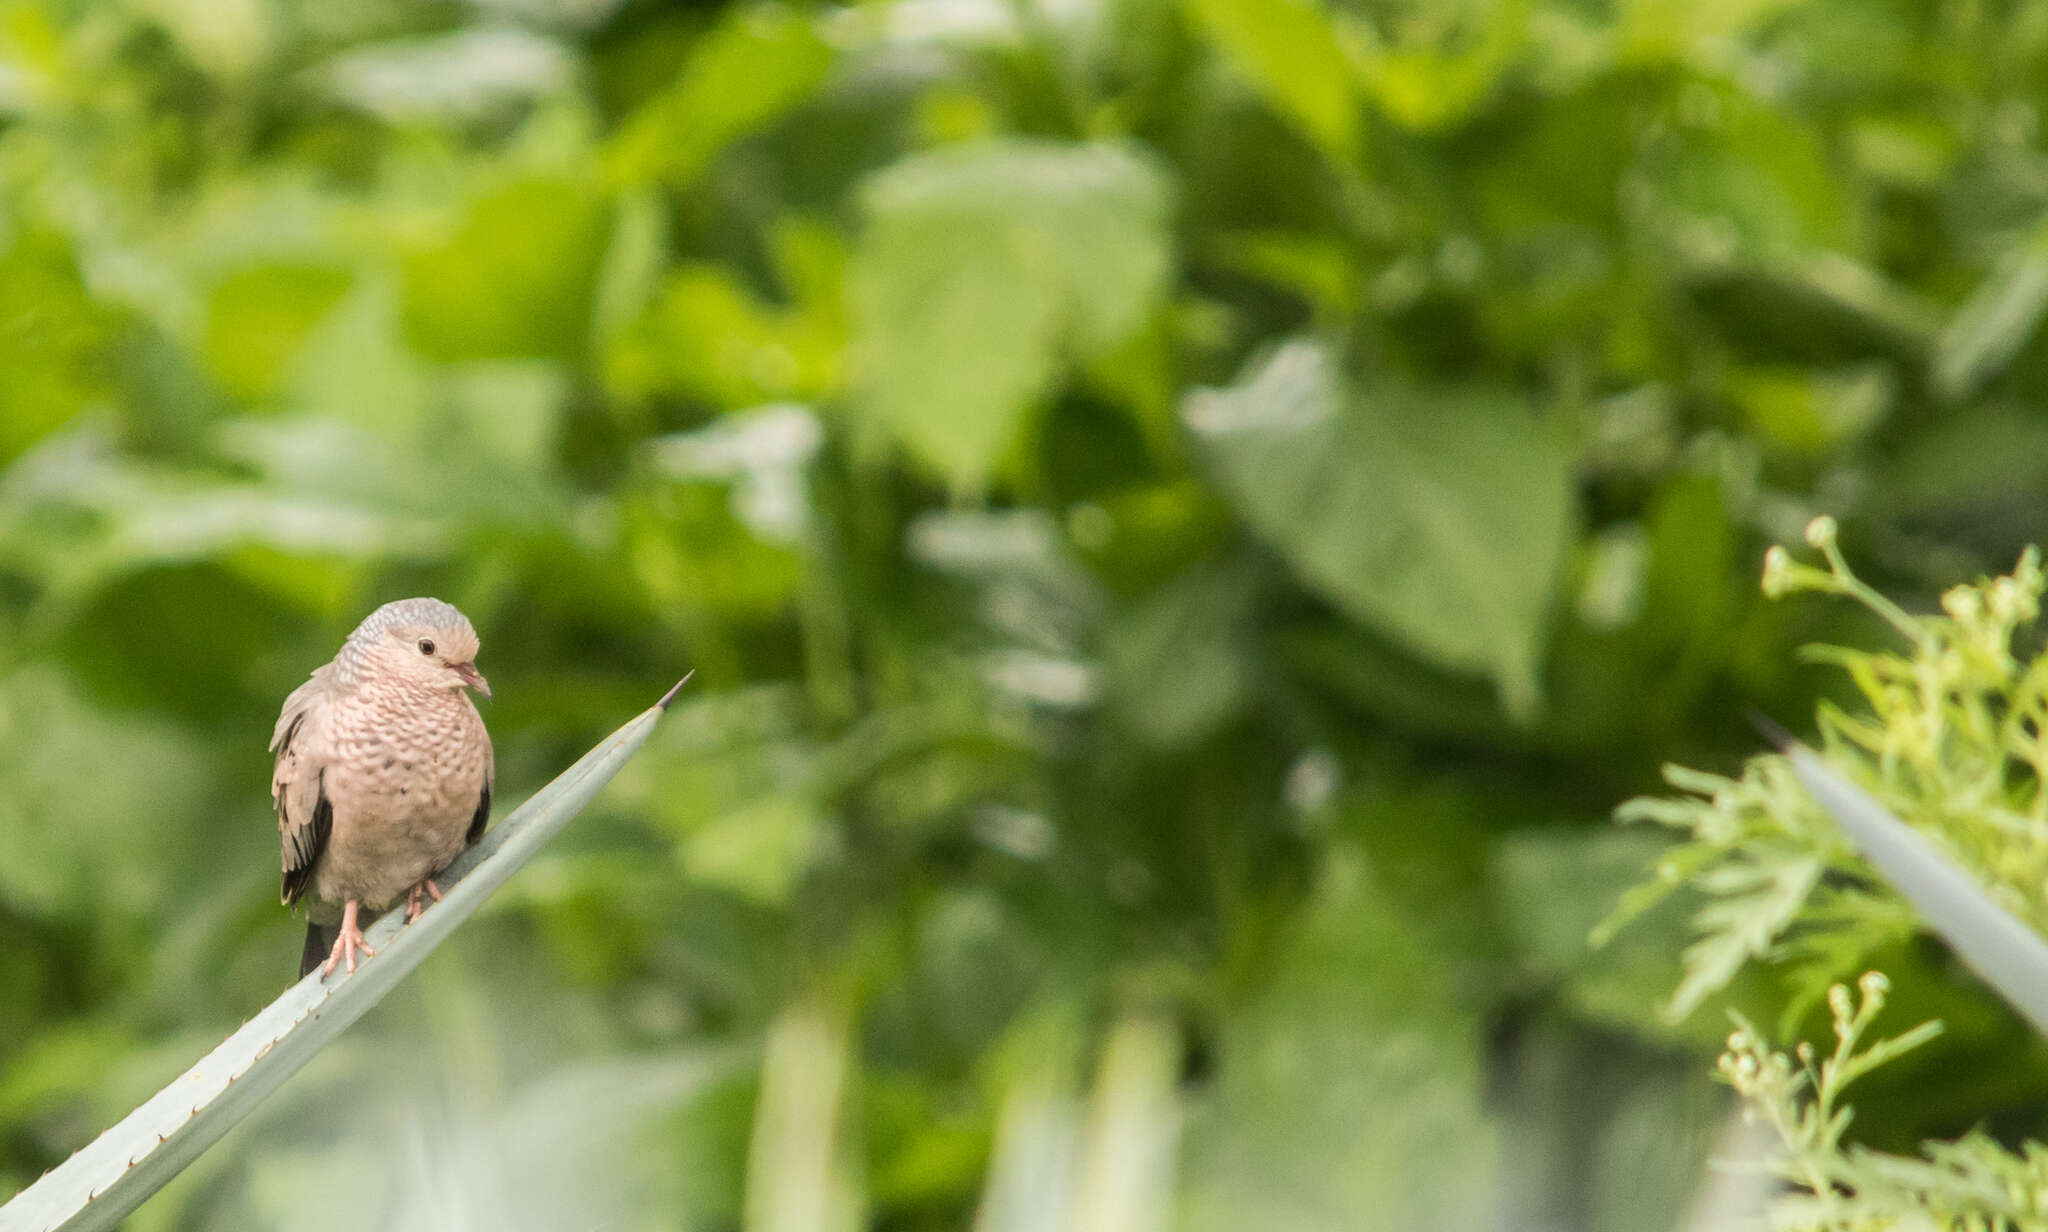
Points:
422	640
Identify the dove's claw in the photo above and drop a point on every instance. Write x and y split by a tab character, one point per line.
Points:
348	942
413	901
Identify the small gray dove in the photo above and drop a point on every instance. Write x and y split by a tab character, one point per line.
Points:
383	773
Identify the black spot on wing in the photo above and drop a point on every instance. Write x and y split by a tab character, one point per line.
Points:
303	843
482	818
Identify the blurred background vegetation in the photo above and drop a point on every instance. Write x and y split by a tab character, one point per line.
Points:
1187	516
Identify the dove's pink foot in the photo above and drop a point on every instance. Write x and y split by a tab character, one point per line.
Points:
348	942
413	905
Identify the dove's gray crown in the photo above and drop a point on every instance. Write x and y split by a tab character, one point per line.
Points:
424	612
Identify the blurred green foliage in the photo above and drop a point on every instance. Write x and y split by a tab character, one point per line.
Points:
1188	514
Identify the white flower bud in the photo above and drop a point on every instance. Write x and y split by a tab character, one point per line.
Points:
1777	568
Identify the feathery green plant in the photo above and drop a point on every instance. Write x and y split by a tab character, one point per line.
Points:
1955	739
1801	1097
1970	1185
112	1175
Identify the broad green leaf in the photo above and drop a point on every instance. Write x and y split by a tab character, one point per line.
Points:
984	269
1372	674
1438	79
706	333
1825	307
757	850
633	262
1428	847
1751	176
1427	91
758	64
231	40
447	77
709	337
1910	151
695	549
509	411
1320	269
1177	664
1351	1084
259	318
1553	887
1811	411
1441	518
1688	29
1987	463
77	516
1603	1136
1995	322
763	454
516	277
355	368
86	798
106	1180
53	338
1293	54
32	58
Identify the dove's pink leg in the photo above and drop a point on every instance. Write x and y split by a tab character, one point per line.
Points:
348	941
412	900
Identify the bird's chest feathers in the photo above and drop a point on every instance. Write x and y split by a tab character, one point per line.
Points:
404	777
407	757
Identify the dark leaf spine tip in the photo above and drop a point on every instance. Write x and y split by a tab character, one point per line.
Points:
670	696
1784	740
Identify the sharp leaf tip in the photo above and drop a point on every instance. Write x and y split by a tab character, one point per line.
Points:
670	696
1783	740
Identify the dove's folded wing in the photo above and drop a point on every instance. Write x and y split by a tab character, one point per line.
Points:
304	818
482	817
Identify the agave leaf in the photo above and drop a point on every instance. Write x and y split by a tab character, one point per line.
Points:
1993	942
109	1177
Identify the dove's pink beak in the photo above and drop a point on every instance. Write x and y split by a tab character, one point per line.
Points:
473	678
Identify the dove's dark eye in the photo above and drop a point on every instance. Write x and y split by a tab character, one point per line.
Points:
426	645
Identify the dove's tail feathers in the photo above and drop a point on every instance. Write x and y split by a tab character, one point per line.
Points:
319	944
